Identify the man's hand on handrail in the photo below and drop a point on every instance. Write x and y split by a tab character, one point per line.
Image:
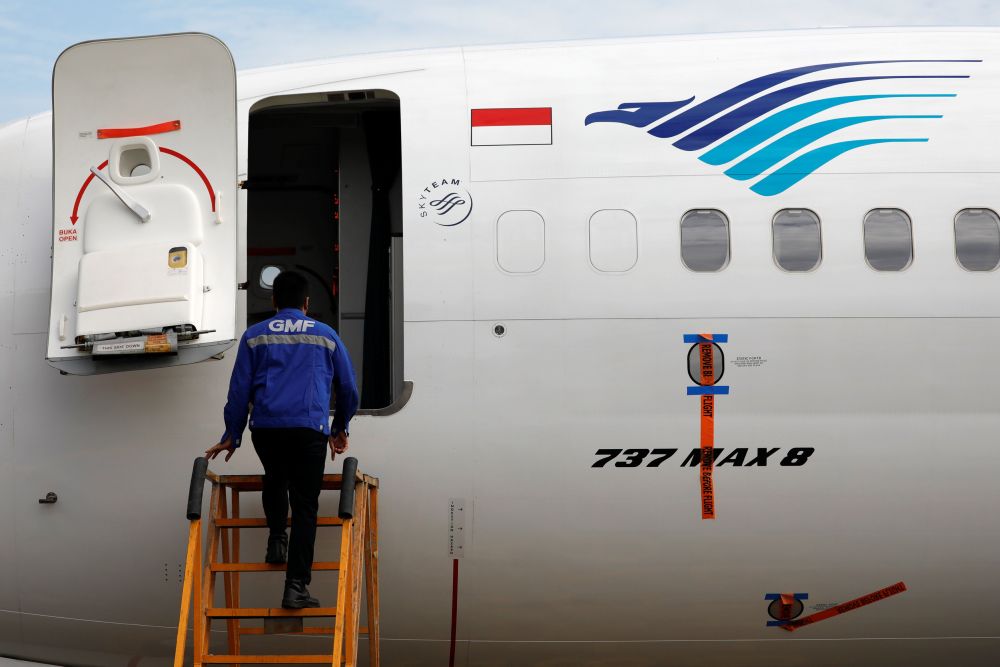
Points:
338	444
224	446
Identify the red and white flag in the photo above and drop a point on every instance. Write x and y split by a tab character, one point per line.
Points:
512	127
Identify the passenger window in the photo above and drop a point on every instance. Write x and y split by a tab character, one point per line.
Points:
614	241
797	242
268	274
977	239
520	241
888	239
705	240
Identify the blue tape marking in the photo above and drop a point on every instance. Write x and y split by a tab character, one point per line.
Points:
776	596
702	391
697	338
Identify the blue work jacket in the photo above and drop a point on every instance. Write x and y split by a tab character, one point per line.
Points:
285	369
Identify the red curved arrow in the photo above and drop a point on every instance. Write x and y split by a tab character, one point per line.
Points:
180	156
204	178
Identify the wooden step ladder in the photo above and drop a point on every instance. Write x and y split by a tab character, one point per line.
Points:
358	519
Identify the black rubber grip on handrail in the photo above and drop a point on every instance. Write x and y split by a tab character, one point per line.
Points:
197	488
346	510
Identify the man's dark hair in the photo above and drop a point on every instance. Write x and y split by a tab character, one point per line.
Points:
290	290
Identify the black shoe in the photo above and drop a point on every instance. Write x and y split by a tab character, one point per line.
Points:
277	549
297	595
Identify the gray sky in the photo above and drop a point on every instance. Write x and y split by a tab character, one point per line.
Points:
33	32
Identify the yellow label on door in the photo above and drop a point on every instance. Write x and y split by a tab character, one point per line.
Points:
177	258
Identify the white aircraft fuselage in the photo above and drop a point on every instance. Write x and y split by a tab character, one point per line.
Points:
543	320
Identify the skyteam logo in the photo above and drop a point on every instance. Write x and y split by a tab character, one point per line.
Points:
757	131
445	202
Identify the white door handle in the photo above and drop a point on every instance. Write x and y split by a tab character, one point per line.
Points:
140	211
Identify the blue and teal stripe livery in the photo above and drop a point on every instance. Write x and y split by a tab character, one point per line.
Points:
776	123
735	126
756	164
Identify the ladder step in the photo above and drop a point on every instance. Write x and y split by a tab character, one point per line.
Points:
267	567
267	612
256	482
267	659
318	630
262	523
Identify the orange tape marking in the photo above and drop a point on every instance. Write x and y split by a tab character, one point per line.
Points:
707	354
119	132
856	603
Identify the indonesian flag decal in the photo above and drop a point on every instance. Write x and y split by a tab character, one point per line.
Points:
512	127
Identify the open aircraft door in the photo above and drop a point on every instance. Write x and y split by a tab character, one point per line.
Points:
144	270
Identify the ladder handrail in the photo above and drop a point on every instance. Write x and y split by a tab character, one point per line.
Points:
192	560
197	488
346	508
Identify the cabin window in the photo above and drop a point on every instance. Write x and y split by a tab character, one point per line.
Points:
267	276
797	243
705	240
888	239
324	198
977	239
614	241
520	241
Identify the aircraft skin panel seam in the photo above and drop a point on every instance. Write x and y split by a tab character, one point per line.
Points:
696	317
704	175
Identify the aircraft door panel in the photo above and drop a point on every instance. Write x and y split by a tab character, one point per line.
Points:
144	238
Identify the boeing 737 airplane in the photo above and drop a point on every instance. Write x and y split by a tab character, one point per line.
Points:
673	351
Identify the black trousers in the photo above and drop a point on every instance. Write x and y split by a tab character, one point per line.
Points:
294	459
